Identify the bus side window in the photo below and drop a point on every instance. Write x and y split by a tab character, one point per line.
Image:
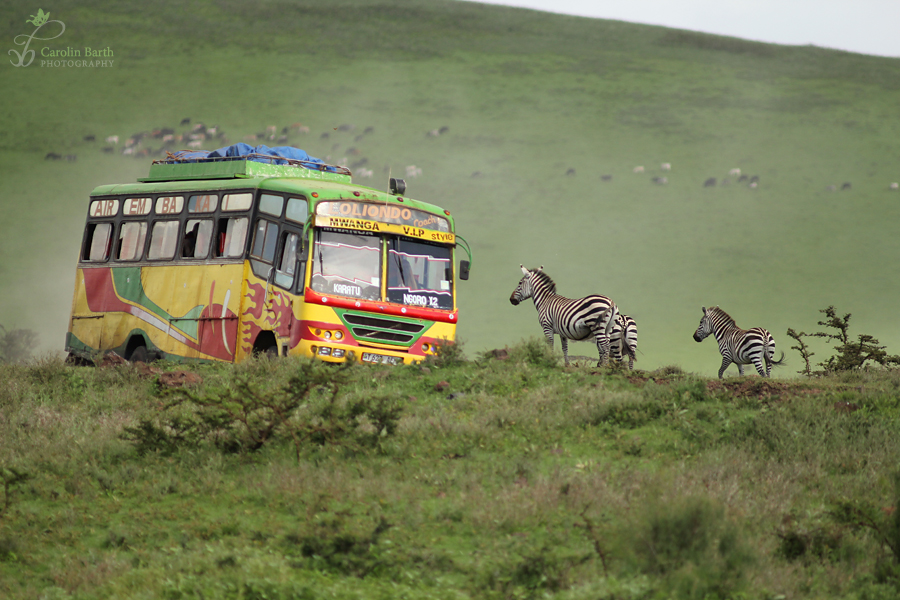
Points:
195	243
97	242
231	235
131	240
287	261
264	240
163	240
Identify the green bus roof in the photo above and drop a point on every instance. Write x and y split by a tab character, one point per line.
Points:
249	174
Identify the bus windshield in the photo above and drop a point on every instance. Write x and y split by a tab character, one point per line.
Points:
419	274
347	264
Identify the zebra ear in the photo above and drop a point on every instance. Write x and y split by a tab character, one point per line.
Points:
541	268
524	270
703	309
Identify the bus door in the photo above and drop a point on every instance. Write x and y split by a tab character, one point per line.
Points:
288	268
270	308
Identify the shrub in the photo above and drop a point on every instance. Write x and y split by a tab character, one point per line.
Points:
803	349
244	416
627	411
10	476
693	548
820	542
534	351
884	524
335	547
448	354
850	355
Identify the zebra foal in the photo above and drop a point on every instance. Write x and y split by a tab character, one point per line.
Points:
573	319
623	340
741	347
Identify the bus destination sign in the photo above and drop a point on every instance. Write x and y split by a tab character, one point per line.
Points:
384	213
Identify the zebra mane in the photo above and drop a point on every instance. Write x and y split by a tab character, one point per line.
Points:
540	275
718	311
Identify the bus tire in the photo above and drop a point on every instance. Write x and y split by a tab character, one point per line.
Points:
139	355
266	345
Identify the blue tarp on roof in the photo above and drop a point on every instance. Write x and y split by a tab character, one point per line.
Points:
246	150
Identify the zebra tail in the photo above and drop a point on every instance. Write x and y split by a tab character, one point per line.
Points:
779	362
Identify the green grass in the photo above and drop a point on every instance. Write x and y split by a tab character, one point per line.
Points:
526	97
533	481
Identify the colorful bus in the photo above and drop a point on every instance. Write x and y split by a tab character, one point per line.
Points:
217	256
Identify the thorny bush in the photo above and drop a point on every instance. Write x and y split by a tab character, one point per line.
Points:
244	415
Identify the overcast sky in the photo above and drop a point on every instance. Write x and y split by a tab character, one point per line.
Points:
864	26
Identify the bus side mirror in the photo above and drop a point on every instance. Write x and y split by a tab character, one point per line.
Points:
464	270
397	186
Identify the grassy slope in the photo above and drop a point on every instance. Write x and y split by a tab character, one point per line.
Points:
526	97
534	481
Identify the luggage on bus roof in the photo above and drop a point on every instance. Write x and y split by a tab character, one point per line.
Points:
258	153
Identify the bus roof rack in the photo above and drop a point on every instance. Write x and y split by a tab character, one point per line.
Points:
243	160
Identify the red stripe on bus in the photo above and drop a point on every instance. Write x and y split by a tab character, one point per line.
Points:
383	308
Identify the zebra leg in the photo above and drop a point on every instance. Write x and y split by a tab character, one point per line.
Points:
760	367
603	349
740	369
725	362
548	333
565	348
608	323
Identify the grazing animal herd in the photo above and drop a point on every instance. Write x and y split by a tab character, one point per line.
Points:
599	318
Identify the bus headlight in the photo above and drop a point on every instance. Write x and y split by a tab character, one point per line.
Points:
327	334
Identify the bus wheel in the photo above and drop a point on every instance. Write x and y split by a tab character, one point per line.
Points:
139	355
266	345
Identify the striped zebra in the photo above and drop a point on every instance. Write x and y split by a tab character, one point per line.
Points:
576	319
623	340
738	346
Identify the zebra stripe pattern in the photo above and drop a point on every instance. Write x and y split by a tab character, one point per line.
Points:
572	319
623	340
741	347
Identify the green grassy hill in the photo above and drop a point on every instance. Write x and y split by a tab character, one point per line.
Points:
525	97
489	479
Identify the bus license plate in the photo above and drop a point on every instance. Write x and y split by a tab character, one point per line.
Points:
381	359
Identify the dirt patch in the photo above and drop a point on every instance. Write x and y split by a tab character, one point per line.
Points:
111	359
758	388
146	370
176	379
640	381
